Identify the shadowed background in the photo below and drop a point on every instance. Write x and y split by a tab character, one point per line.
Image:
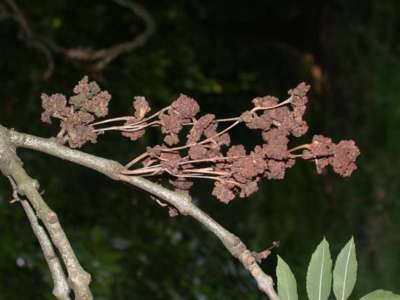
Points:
223	54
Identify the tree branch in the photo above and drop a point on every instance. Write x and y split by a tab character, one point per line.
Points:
103	57
180	201
30	38
11	166
61	288
100	57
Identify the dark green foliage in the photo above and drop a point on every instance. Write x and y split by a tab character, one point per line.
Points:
321	277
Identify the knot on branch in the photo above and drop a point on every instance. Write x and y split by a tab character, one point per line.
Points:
236	246
247	258
7	152
184	206
79	281
52	217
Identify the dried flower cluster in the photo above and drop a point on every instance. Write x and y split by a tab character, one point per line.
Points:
206	151
77	113
341	156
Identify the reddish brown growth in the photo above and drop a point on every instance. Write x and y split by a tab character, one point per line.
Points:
341	156
77	113
206	152
181	111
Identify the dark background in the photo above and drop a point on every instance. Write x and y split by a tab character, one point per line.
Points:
222	53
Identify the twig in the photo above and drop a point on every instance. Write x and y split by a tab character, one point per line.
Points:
61	288
30	37
102	57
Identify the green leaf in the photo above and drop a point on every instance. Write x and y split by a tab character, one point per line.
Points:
319	273
381	295
287	286
345	271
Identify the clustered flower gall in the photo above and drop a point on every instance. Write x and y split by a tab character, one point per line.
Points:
206	151
77	113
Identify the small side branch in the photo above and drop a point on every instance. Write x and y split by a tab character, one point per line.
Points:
102	57
30	38
61	288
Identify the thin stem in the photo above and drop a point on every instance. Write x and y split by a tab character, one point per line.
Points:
142	170
208	177
300	147
125	118
204	141
228	119
135	160
128	127
287	101
154	115
197	176
216	120
206	171
212	159
119	128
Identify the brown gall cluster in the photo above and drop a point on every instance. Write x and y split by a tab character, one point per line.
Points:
341	157
77	113
205	152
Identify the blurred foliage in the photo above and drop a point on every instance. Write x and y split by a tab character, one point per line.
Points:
223	54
